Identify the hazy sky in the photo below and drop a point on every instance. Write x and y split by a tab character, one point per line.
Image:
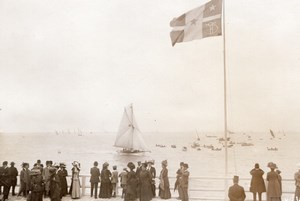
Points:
68	64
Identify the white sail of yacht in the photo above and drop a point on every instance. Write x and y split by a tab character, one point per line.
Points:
129	136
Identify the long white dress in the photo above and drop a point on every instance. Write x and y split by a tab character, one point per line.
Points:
76	184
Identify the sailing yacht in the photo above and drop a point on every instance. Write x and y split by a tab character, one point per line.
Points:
129	136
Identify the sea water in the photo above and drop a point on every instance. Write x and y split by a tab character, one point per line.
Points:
91	146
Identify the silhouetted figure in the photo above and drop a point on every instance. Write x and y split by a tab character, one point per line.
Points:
95	175
63	173
13	177
75	185
152	171
236	192
145	183
178	176
114	180
105	186
184	182
164	184
5	180
36	185
132	183
273	190
24	180
257	185
55	185
297	183
123	180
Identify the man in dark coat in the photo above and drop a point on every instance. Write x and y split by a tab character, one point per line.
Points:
5	180
95	174
236	192
152	171
13	177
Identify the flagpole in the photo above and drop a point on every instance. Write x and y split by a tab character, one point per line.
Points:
225	100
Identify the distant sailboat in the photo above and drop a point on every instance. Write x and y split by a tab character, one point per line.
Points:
272	133
129	136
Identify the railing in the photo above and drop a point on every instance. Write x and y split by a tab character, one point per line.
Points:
203	188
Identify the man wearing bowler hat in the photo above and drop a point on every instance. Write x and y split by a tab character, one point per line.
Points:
236	192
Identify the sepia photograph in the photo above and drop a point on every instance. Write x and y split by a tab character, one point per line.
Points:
149	100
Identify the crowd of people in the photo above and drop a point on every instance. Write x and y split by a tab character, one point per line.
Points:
137	182
258	186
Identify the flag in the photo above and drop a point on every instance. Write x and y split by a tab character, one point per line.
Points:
201	22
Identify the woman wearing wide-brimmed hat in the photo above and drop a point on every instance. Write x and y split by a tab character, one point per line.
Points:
164	185
257	185
132	183
105	185
63	173
75	184
273	190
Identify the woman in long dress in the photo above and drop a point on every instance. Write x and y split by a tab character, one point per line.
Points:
257	185
145	184
54	186
105	186
75	185
164	185
273	190
63	173
132	183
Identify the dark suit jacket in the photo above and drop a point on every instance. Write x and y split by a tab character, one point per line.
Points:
95	174
236	193
152	171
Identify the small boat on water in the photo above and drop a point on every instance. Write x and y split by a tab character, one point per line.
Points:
129	136
247	144
272	148
216	149
184	148
173	146
223	139
195	145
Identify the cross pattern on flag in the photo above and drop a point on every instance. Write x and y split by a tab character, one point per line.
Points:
201	22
